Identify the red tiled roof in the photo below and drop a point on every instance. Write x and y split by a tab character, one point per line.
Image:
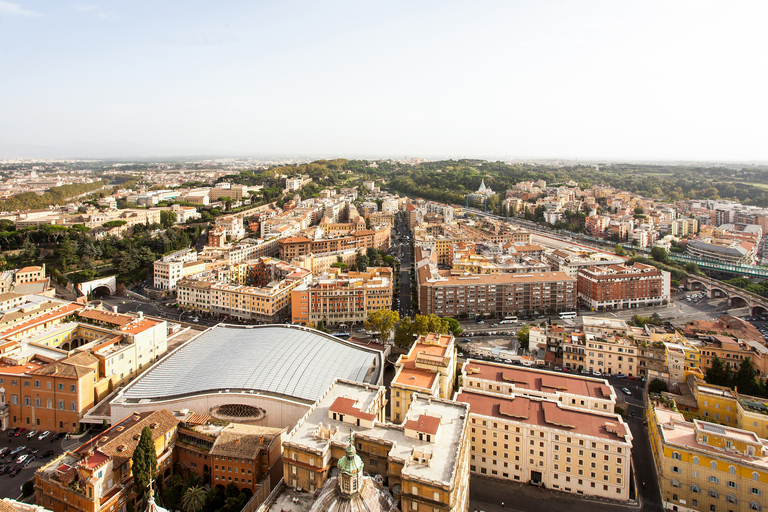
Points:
344	405
424	423
544	414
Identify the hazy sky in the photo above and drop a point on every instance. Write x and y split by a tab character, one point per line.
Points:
604	79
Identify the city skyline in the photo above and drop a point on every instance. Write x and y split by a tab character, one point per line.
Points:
496	80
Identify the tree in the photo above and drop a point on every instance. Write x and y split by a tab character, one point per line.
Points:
404	333
167	218
717	373
193	499
659	254
639	210
361	261
523	336
745	380
383	321
619	250
144	461
657	386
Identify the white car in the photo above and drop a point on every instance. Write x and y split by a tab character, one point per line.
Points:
22	458
43	435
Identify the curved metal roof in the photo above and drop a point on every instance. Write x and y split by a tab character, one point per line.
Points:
285	360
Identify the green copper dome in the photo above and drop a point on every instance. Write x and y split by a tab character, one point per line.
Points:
351	463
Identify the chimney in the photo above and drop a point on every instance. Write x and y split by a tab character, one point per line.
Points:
141	315
114	309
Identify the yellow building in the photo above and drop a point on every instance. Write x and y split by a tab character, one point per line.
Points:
726	406
429	369
427	454
707	467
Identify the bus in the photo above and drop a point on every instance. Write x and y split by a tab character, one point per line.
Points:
509	320
567	314
342	335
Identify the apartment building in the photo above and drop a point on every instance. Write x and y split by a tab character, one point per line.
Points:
732	352
378	237
427	455
623	286
321	263
428	370
522	429
338	297
97	476
445	294
168	270
705	466
267	297
233	226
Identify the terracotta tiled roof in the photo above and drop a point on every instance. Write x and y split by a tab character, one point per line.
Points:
105	317
121	440
347	406
424	423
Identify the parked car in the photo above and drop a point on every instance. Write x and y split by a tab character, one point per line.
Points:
58	436
15	471
620	376
20	431
28	461
3	451
31	434
12	432
626	391
632	377
18	449
33	450
47	454
597	373
43	435
22	458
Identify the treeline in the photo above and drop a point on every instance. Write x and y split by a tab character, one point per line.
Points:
56	195
760	288
744	379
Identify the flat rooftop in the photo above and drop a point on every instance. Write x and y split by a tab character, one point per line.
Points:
284	360
444	451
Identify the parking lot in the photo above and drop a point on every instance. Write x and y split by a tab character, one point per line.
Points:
10	483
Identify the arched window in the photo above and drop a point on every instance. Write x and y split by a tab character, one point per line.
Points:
695	460
731	498
712	493
676	455
675	482
695	488
732	470
713	465
755	476
754	506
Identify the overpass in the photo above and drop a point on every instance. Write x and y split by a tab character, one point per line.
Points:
737	297
103	286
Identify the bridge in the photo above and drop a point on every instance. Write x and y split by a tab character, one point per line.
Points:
737	297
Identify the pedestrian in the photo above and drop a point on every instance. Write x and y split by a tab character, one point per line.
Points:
502	504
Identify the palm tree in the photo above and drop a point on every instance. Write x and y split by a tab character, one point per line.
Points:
193	499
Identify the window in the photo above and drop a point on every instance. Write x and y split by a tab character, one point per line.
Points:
756	491
695	460
754	506
733	485
731	498
713	465
675	482
695	489
714	479
676	455
713	493
755	476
